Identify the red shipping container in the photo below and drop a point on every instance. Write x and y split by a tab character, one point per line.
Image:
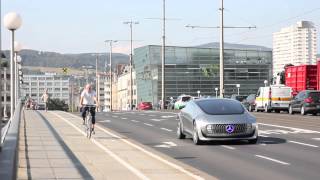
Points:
303	77
318	77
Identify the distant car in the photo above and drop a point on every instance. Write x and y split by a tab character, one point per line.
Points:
181	101
145	106
305	102
250	102
239	98
216	119
171	104
41	107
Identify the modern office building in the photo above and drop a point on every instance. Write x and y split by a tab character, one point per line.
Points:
103	91
189	69
57	86
5	91
295	45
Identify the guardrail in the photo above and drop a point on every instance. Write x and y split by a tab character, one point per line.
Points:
9	145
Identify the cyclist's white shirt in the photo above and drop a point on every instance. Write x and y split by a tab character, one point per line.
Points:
88	98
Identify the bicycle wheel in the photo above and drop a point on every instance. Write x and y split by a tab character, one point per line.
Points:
89	126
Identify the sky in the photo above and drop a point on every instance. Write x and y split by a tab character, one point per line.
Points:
82	26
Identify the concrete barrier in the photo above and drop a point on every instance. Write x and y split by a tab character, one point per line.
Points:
9	153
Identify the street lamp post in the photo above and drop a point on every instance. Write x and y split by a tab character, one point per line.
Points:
238	86
110	64
131	61
17	49
12	21
216	89
198	93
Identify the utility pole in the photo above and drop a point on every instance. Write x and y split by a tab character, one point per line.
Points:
221	27
163	60
131	61
110	64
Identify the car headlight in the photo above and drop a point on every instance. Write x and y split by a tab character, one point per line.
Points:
209	128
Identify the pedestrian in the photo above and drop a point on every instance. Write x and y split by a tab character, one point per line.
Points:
45	99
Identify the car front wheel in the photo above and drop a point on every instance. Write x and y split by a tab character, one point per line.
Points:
302	111
180	134
253	141
291	110
195	135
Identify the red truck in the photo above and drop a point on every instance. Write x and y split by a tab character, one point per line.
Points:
303	77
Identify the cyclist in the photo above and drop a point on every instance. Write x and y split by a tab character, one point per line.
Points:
87	99
45	99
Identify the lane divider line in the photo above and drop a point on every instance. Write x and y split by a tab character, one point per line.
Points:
286	127
165	129
228	147
135	121
175	166
117	158
147	124
124	118
305	144
271	159
317	139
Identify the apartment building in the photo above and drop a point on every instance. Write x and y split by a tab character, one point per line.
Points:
295	45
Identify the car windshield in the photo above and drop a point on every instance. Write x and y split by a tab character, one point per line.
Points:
241	98
184	99
220	107
146	103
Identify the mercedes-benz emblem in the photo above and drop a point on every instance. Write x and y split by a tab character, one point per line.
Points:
229	128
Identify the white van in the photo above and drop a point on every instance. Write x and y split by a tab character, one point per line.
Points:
274	97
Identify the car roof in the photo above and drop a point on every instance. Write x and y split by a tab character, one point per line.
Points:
215	99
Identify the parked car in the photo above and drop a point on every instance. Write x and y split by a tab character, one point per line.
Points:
307	101
145	106
171	104
250	102
41	106
239	98
216	119
181	101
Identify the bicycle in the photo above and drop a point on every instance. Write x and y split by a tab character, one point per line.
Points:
88	121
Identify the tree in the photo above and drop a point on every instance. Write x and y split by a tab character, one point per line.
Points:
211	70
57	104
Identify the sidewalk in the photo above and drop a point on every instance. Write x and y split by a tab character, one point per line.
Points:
53	146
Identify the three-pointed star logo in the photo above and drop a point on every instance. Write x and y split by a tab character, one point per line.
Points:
229	128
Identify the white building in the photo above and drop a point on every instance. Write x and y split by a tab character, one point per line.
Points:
57	86
5	91
103	91
123	90
296	44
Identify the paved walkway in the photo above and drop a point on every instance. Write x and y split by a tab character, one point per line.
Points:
53	146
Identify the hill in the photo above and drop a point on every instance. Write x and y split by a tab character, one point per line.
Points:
76	61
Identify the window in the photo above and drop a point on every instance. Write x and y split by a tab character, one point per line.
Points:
57	83
220	107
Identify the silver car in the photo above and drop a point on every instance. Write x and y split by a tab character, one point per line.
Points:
216	119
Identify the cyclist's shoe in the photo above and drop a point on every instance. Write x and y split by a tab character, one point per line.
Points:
93	132
83	123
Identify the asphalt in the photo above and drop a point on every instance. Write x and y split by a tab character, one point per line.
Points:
53	145
288	147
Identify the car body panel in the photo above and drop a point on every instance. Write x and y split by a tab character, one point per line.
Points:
192	113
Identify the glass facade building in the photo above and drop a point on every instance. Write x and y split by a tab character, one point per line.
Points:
192	69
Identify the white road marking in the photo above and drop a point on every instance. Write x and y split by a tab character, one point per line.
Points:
262	144
228	147
296	130
135	121
166	145
167	116
157	120
124	118
152	115
317	139
177	167
147	124
105	120
166	129
271	159
115	116
117	158
310	145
